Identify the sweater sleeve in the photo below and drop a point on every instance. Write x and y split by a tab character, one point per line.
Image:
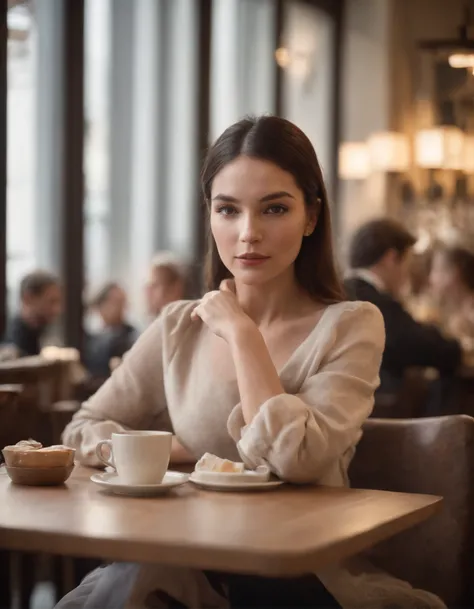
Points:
133	397
300	436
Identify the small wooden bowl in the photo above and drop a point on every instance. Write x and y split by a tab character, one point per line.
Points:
40	476
41	459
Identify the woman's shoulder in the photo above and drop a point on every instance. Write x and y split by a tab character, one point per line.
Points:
354	308
175	318
178	310
175	321
355	318
168	329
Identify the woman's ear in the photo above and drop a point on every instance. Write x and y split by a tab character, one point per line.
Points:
312	215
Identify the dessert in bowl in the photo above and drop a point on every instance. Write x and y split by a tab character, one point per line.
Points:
29	463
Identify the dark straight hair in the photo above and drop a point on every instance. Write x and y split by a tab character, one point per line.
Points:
274	139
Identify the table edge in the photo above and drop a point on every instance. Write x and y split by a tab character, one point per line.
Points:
287	562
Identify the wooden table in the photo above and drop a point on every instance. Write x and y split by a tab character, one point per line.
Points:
287	531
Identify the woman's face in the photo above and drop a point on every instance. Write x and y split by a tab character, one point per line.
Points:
444	278
258	219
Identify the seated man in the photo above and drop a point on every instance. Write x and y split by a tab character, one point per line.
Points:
379	257
40	306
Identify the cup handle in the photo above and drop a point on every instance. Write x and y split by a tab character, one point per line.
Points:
100	455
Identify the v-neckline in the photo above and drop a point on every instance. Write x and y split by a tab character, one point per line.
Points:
301	346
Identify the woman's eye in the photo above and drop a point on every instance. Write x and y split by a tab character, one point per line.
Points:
276	210
226	210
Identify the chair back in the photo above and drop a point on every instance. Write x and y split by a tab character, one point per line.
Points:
429	456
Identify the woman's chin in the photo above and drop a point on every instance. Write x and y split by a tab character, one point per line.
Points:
255	277
251	278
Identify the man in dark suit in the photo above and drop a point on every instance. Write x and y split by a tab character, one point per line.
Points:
380	256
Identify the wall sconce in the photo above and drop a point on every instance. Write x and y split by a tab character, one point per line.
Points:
19	21
389	152
354	161
461	60
282	57
440	148
297	63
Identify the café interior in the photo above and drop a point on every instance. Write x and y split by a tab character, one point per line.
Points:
107	110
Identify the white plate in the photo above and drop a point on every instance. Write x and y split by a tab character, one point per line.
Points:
212	485
111	482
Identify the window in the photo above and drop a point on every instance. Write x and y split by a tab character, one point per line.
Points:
97	141
21	136
243	68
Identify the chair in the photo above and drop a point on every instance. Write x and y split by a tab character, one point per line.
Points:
44	383
9	396
428	456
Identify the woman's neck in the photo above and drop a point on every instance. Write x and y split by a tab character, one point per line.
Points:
279	298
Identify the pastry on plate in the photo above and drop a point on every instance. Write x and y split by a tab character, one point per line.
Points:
211	468
212	463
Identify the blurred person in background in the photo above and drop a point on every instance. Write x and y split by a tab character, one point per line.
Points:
166	283
379	257
116	335
452	284
40	305
419	298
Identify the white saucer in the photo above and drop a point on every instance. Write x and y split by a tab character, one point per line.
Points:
111	482
215	485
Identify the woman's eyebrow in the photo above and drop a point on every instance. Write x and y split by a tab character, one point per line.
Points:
226	198
276	195
270	197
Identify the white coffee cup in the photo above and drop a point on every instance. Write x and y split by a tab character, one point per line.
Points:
139	457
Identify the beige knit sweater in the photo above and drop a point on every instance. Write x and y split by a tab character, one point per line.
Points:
307	434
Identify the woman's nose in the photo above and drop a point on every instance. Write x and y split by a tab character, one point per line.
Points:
251	231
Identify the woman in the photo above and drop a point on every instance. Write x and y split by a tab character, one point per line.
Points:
116	335
293	366
452	282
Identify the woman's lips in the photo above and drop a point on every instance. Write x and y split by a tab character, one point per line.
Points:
252	259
